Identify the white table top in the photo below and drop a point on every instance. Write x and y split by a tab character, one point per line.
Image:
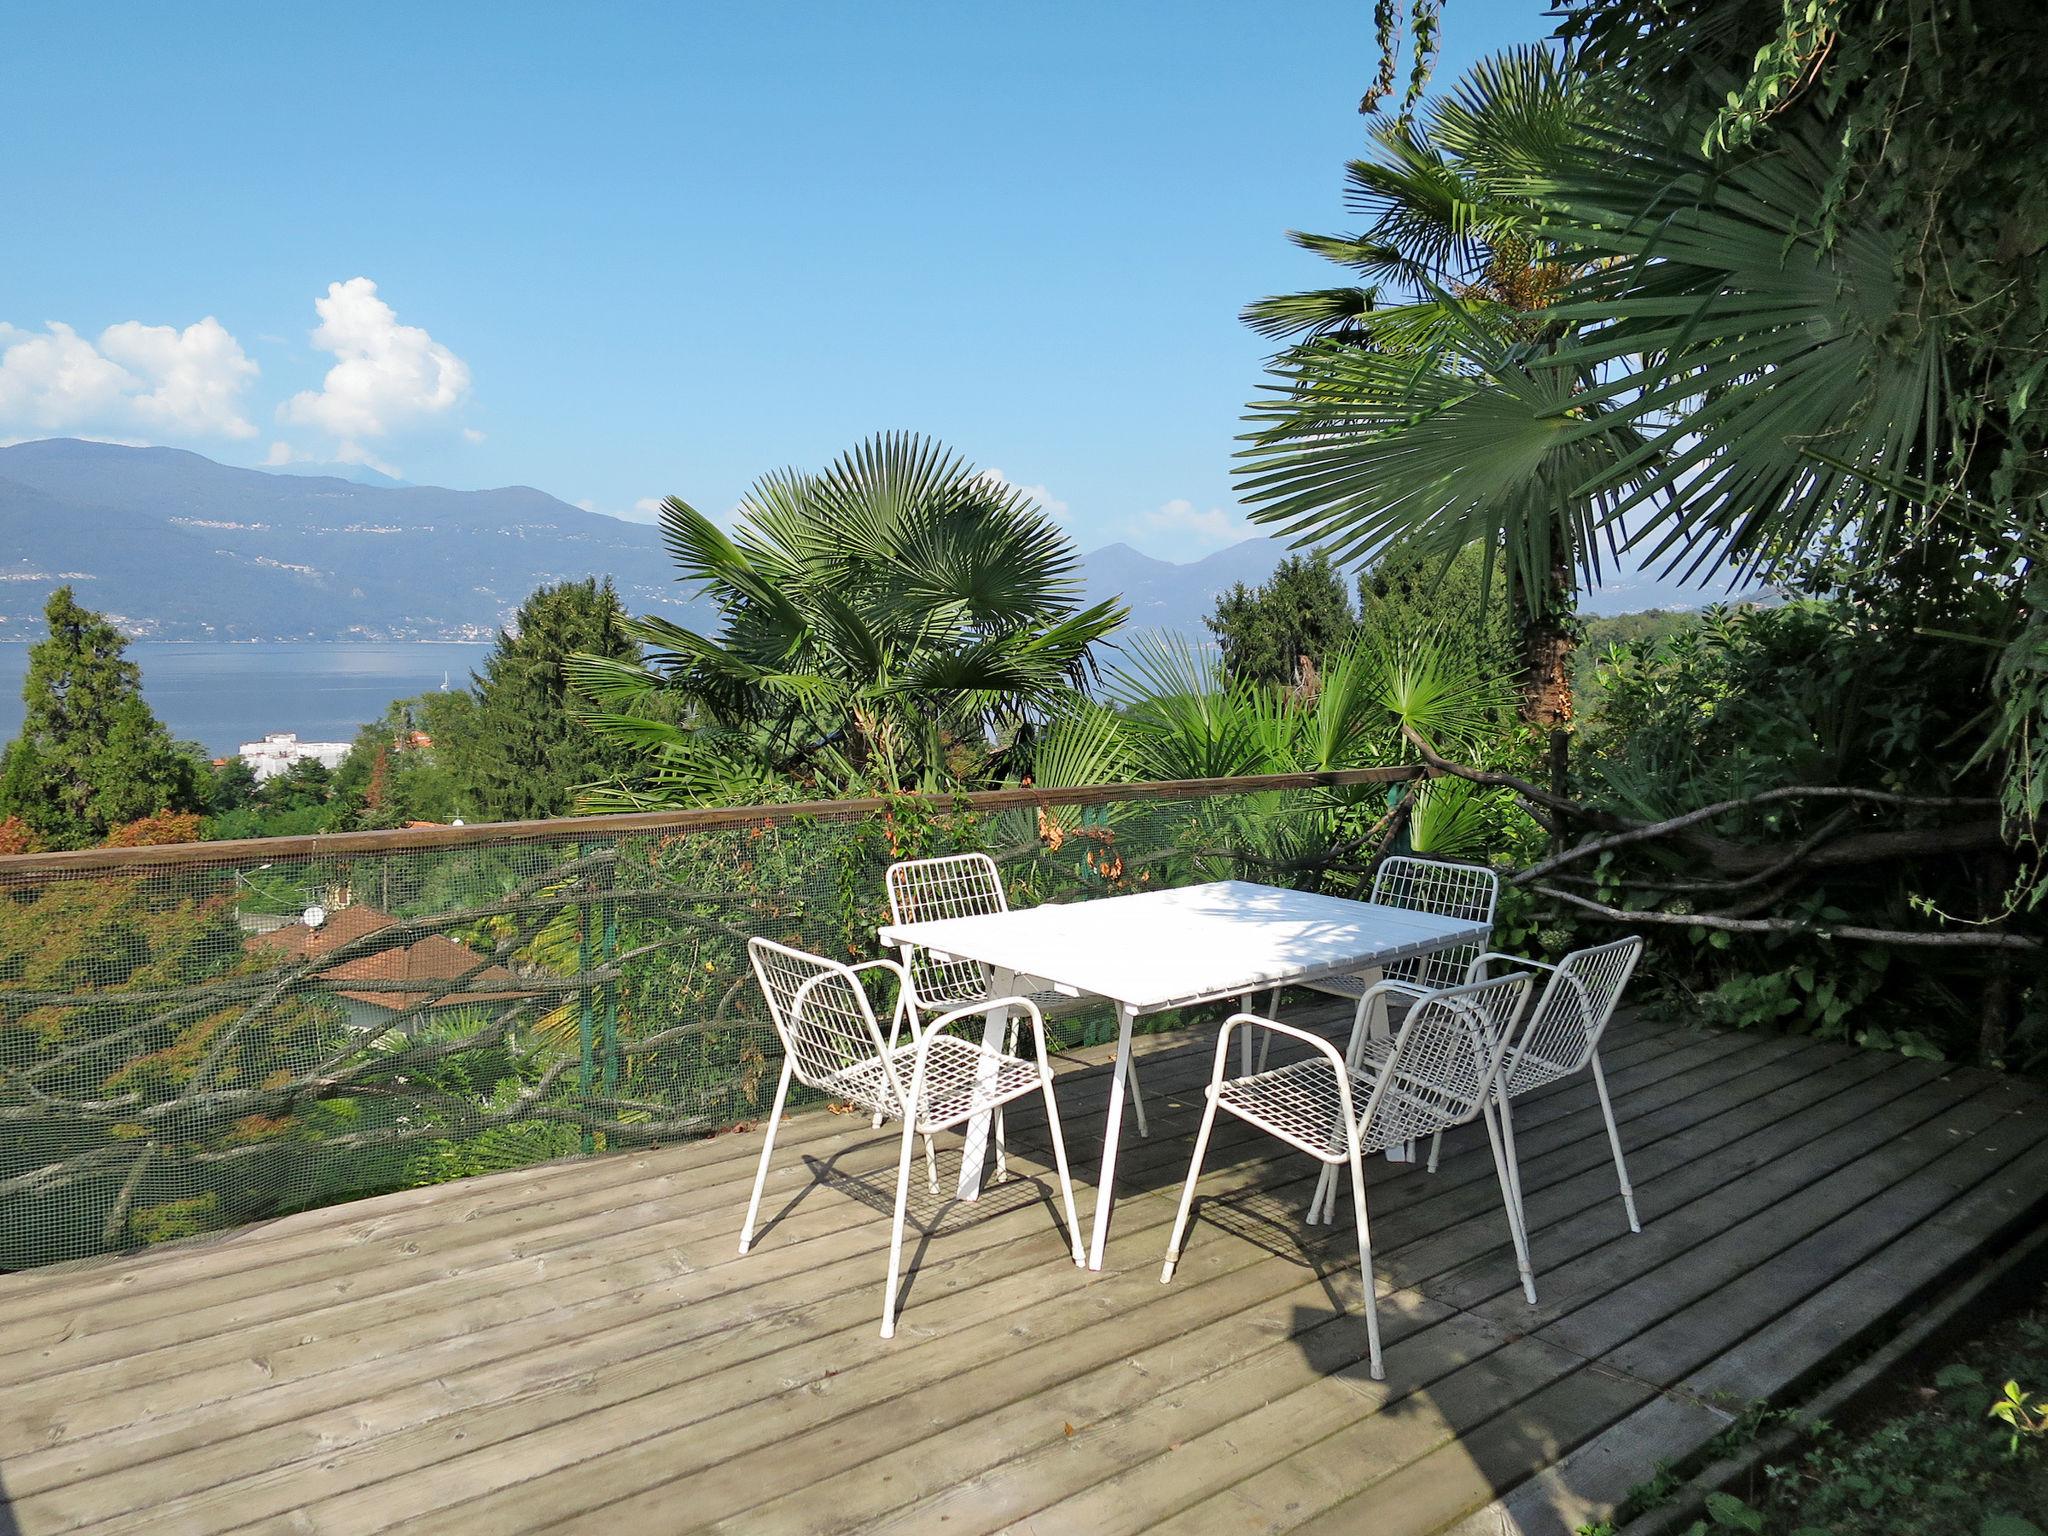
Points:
1195	943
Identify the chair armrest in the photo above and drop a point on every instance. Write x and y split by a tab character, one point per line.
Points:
1258	1021
985	1006
902	976
1475	969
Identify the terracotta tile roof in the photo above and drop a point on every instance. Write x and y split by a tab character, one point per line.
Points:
432	958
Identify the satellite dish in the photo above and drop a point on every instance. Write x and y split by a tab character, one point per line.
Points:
315	916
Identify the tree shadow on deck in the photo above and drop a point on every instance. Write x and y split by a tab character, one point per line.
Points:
9	1526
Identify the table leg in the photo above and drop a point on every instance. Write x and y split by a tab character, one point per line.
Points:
974	1155
1105	1183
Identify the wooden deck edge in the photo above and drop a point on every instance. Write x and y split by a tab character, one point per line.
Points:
1940	1314
1594	1479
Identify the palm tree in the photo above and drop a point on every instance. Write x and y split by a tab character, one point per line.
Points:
880	624
1433	402
1171	711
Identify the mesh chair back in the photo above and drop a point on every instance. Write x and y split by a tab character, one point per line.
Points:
1577	1004
1464	891
820	1011
929	890
1450	1047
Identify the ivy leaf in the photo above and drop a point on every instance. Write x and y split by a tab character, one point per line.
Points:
1953	1376
1732	1514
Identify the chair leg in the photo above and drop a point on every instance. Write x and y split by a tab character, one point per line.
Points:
767	1146
931	1164
1137	1098
1002	1150
896	1231
1510	1201
1059	1163
1436	1150
1372	1304
1187	1194
1322	1205
1628	1194
895	1027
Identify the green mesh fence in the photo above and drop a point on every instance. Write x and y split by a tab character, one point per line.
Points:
186	1046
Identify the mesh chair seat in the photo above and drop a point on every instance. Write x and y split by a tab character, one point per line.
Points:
1529	1071
1299	1104
957	1082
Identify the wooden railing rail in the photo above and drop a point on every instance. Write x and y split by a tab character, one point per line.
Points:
702	819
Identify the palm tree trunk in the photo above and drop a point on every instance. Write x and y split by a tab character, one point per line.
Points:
1546	634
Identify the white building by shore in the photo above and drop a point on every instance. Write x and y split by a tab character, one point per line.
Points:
279	750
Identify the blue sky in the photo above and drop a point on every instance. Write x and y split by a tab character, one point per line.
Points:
621	252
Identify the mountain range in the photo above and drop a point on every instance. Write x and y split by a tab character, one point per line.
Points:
174	546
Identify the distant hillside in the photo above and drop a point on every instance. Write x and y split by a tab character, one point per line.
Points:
1162	595
177	547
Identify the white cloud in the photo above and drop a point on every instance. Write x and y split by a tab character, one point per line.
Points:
158	378
197	376
386	376
1181	520
1048	503
281	453
471	435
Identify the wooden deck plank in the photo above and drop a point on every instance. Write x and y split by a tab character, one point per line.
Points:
571	1275
1042	1474
581	1344
267	1405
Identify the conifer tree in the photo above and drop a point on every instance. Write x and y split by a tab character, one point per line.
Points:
91	755
525	751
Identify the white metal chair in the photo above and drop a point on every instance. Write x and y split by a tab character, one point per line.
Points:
831	1042
1467	891
1563	1038
1439	1071
969	885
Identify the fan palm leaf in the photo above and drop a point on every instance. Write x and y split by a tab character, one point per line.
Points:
872	616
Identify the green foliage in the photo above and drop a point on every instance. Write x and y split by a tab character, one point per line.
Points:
405	766
1440	406
1300	614
883	625
1178	715
1811	692
1409	591
1600	636
91	756
527	751
1817	274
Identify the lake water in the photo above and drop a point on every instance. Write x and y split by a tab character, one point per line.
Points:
224	695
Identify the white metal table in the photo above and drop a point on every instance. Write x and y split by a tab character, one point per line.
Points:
1165	949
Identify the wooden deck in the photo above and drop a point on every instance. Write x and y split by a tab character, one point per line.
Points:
579	1347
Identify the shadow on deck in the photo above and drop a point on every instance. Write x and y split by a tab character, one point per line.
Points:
580	1347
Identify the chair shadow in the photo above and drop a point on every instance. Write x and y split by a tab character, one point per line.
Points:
928	1214
9	1526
